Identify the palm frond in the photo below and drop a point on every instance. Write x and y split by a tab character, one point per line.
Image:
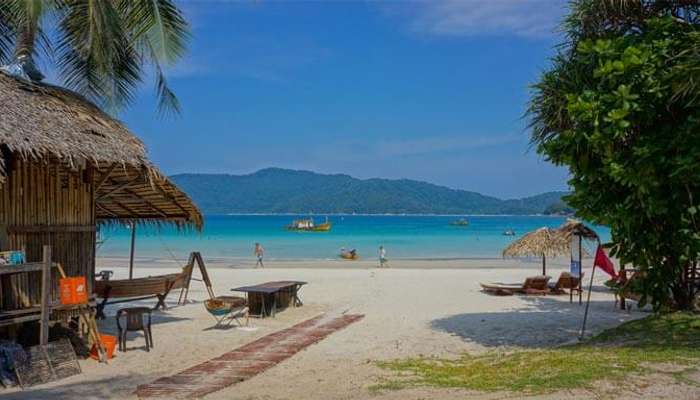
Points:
159	33
157	27
95	56
167	101
8	33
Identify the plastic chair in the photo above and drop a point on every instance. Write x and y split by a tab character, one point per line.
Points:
134	322
105	274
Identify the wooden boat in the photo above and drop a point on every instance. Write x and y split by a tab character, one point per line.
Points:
324	227
139	288
309	225
120	288
349	255
460	222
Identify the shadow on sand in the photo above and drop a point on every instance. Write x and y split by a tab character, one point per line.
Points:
74	388
542	322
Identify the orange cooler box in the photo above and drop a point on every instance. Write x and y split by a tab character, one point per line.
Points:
73	290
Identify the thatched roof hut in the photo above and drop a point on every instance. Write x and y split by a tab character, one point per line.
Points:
66	167
543	242
44	123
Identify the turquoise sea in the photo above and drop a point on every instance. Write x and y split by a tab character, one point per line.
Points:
404	237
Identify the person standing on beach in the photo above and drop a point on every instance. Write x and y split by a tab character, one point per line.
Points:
382	257
259	253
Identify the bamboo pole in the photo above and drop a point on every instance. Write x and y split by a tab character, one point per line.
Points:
45	288
131	253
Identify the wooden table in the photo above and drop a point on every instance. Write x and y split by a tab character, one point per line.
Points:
271	295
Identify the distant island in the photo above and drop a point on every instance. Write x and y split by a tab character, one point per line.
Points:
277	190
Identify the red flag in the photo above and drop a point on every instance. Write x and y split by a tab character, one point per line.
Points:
602	261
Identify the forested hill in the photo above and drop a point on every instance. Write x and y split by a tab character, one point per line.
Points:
275	190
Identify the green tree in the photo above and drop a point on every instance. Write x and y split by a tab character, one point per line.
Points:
619	107
101	48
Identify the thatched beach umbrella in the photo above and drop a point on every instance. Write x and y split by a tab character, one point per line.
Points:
575	227
543	242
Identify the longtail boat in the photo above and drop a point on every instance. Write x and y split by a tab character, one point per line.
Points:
309	225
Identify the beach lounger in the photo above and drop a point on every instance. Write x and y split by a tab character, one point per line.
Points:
533	285
570	282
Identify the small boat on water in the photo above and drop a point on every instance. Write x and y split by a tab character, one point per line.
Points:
509	232
308	224
349	254
460	222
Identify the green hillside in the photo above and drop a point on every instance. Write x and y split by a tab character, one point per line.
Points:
276	190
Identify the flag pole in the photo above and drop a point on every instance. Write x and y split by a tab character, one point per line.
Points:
588	300
588	303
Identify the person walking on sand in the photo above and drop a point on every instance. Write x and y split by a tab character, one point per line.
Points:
259	253
382	257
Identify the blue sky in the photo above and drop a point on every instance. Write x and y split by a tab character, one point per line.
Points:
433	91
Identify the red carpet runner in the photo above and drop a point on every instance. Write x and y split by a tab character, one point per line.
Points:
247	361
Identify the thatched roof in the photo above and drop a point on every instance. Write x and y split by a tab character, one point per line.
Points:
545	241
575	227
45	122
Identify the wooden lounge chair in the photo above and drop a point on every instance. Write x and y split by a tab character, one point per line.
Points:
570	282
536	285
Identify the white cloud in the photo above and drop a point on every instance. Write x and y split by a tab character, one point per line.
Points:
525	18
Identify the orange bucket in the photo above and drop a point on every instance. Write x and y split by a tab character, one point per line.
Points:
73	290
109	342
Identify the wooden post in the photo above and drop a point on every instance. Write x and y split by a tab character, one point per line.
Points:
131	254
544	264
580	268
45	294
186	288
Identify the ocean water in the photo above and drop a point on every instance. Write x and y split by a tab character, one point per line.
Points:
404	237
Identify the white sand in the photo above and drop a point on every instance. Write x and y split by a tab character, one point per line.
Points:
414	308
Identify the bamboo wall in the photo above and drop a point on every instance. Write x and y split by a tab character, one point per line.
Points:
46	203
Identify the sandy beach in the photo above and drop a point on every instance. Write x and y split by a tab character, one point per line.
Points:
414	308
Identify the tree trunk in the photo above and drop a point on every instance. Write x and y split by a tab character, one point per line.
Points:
25	43
683	289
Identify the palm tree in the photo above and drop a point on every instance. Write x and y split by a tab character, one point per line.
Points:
100	48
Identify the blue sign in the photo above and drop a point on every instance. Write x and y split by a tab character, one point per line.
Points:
575	268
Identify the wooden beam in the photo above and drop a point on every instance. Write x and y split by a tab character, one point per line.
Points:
106	175
148	203
19	320
17	268
131	212
50	228
98	205
171	198
154	217
118	188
